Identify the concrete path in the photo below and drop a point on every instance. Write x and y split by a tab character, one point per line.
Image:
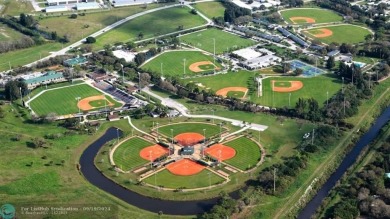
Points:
185	112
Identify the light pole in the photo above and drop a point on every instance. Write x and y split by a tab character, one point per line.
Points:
213	114
220	130
78	99
171	141
342	85
123	76
21	94
151	162
132	132
259	136
214	54
327	97
117	134
139	81
162	73
184	67
209	179
204	141
289	99
157	129
274	179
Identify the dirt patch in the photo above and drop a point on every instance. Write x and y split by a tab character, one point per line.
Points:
294	86
188	138
224	91
194	67
84	105
323	32
185	167
221	152
153	152
307	19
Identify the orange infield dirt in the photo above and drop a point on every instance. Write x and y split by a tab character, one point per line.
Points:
307	19
195	66
153	152
224	91
83	104
220	151
185	167
294	86
188	138
323	33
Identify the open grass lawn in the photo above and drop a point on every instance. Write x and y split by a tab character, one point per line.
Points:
223	41
247	153
56	184
153	24
126	156
210	9
169	180
8	34
14	7
179	128
172	62
91	22
319	15
271	70
63	101
310	87
25	56
342	34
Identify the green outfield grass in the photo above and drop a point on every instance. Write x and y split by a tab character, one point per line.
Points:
210	9
126	156
63	101
179	128
169	180
310	88
25	56
91	22
236	94
319	15
153	24
341	34
223	41
247	153
173	62
8	34
14	8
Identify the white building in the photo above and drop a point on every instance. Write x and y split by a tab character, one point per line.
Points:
66	2
87	6
128	56
57	8
255	59
121	3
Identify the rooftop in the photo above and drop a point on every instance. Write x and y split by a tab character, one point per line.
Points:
46	77
76	61
247	53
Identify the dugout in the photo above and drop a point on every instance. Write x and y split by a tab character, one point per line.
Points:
187	150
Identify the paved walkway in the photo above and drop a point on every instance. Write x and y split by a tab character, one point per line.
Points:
185	112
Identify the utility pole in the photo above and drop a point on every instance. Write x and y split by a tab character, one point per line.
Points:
274	180
123	76
327	98
214	55
289	99
184	67
312	138
139	81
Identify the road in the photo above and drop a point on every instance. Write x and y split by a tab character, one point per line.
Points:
102	31
185	112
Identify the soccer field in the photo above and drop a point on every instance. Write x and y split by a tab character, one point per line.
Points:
210	9
247	153
179	128
172	62
63	101
127	157
243	78
319	15
150	25
340	34
169	180
223	41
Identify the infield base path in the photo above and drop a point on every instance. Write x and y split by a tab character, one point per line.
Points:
151	153
294	86
84	105
307	19
221	152
324	32
194	67
189	138
185	167
224	91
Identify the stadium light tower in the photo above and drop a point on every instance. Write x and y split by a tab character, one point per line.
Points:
123	76
139	81
327	98
117	133
162	73
214	54
204	141
78	99
184	67
157	129
171	141
289	99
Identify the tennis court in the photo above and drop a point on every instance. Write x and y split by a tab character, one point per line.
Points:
308	70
